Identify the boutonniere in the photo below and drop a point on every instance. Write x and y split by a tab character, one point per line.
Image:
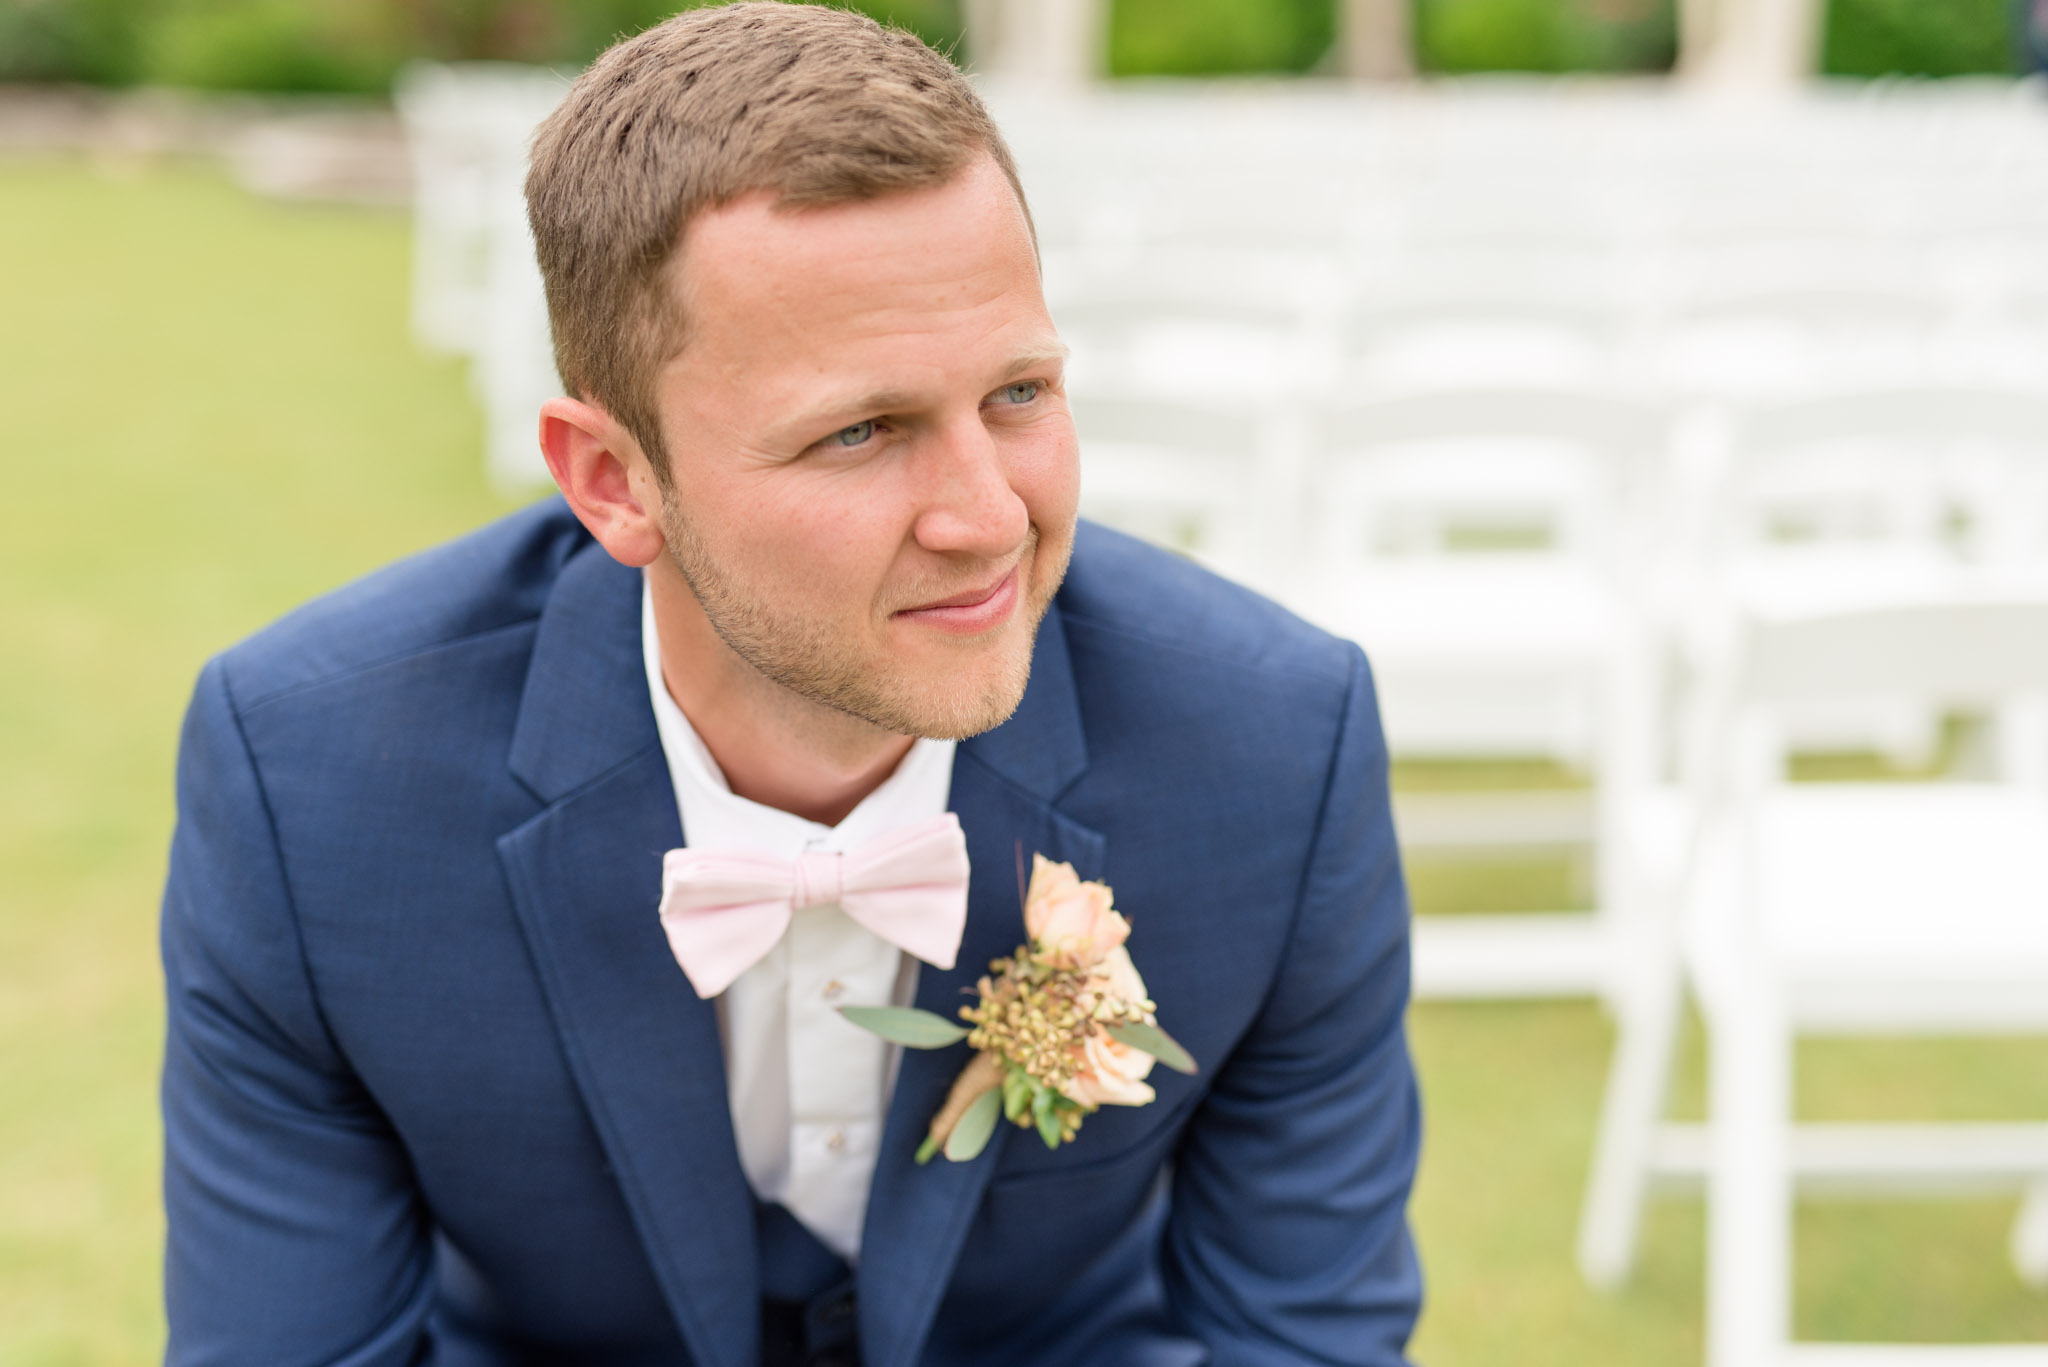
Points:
1061	1027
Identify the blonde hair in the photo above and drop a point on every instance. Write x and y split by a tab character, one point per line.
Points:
815	105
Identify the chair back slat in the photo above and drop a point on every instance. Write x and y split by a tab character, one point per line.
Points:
1981	648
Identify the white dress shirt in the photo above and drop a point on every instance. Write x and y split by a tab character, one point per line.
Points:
808	1091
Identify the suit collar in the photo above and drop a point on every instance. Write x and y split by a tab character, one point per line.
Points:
1041	748
585	709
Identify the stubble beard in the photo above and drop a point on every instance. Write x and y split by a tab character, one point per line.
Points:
803	655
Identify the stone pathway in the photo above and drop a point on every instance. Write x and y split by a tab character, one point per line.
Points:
312	148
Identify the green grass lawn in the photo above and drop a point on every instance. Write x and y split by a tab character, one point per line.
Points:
213	411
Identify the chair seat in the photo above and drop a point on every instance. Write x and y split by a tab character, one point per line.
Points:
1911	905
1782	581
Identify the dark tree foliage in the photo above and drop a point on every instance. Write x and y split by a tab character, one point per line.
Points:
69	40
1215	37
336	45
1920	38
358	45
1545	35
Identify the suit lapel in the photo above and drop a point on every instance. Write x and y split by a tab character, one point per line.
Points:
585	878
1003	786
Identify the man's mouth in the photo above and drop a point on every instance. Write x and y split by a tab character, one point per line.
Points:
971	611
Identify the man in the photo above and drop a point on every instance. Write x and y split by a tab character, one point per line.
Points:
440	1088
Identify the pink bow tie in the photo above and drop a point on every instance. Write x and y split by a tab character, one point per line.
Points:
723	912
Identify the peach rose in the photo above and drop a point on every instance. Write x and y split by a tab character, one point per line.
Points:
1071	923
1116	978
1111	1074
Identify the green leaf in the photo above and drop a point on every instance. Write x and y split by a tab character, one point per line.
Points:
907	1026
1150	1039
926	1150
970	1136
1045	1111
1018	1091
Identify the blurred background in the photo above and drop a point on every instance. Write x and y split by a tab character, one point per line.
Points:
1657	389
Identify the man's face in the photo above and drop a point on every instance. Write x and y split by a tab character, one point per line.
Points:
874	473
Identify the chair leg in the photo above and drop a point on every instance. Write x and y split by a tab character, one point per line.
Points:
1749	1187
1638	1082
2030	1236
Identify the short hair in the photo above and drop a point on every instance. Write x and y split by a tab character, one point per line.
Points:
816	105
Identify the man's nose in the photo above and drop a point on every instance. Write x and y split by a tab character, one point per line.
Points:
968	504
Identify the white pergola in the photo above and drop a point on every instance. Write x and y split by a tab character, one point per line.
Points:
1757	45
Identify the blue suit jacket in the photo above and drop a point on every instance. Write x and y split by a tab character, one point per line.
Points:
436	1092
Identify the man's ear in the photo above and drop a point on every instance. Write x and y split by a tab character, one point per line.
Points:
606	478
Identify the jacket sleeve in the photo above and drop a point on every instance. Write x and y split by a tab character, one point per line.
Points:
1289	1243
295	1233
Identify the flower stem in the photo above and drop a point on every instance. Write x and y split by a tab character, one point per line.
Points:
982	1073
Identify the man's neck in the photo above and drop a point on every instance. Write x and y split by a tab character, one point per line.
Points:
773	747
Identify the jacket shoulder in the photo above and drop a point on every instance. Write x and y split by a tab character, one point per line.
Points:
495	578
1121	590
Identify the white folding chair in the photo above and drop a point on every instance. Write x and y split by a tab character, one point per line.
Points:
514	366
451	159
466	128
1842	496
1768	338
1806	507
1498	314
1481	545
1247	206
1195	324
1875	908
476	286
1209	480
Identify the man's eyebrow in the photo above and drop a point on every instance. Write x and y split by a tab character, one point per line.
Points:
892	400
877	401
1037	356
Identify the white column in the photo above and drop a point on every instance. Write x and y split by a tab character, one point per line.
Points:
1699	23
1041	42
1374	39
1757	45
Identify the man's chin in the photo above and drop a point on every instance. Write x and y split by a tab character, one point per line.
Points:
969	701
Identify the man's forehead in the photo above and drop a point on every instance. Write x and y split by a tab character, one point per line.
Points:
891	279
971	224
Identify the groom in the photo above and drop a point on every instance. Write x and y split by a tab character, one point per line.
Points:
442	1087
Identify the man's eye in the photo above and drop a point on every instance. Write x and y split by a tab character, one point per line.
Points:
852	436
1022	392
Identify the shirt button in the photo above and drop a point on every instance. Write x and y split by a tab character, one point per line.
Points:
833	990
836	1140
